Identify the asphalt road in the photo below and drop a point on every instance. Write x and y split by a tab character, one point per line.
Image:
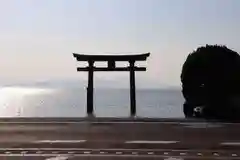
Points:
164	140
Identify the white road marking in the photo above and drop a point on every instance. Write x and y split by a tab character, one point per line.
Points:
104	149
58	158
59	141
230	143
55	152
215	154
151	142
38	152
183	154
66	156
172	158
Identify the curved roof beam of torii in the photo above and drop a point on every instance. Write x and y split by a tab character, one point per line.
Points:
116	57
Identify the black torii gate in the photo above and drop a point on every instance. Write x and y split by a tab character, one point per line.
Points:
111	60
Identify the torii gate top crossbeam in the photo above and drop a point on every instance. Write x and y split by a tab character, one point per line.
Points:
136	57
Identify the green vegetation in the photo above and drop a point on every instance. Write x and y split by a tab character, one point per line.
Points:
211	80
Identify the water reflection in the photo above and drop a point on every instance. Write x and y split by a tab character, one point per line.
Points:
12	99
71	102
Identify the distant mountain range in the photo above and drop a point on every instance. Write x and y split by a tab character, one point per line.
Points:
98	83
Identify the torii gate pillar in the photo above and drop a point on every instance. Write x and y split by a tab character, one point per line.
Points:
90	89
132	89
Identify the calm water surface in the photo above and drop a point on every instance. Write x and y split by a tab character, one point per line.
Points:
50	102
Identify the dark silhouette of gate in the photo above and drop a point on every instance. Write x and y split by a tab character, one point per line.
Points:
111	60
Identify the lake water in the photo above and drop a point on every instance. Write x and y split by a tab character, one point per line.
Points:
68	102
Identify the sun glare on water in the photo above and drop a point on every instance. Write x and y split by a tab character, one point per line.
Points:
12	99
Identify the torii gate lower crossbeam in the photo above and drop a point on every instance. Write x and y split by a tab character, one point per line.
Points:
111	59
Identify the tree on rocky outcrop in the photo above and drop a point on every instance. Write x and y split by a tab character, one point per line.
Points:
211	81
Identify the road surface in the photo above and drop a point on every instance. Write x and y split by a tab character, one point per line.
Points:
121	139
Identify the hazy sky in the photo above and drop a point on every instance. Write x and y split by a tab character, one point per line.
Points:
38	36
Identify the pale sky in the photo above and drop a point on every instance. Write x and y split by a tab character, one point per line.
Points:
38	36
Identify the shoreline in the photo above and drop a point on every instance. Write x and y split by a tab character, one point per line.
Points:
104	120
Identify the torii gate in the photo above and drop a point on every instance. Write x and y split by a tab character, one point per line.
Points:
111	60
